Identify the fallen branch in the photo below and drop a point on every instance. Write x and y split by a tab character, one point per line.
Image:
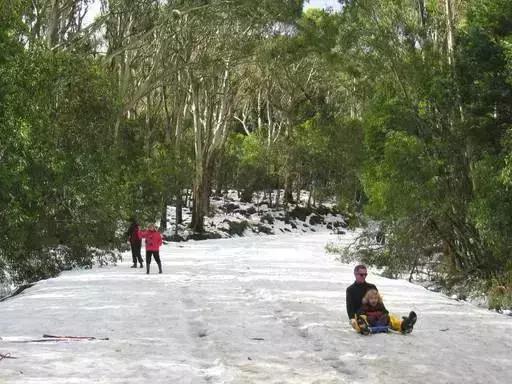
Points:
53	338
6	356
74	337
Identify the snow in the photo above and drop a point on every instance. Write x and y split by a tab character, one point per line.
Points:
262	309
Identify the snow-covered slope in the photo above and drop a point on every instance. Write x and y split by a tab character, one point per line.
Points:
246	310
231	217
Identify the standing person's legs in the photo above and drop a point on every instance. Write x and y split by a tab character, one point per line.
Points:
157	259
134	255
138	257
148	260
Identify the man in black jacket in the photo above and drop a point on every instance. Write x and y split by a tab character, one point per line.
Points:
355	294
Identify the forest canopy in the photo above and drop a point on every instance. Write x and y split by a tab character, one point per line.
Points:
401	109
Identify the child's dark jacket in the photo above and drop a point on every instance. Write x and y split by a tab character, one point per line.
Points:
377	315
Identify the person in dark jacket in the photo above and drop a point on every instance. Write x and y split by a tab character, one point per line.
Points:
153	243
135	241
354	299
356	292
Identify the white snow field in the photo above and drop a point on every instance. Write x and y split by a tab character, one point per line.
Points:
246	310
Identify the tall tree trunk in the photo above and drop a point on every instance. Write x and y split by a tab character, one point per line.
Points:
200	201
219	178
288	195
449	31
179	208
187	198
259	111
52	35
421	12
148	142
163	217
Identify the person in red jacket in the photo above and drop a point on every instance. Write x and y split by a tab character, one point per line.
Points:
153	243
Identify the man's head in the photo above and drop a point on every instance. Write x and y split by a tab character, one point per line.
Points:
152	227
360	273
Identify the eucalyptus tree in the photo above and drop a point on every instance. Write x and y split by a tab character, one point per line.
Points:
175	64
223	39
289	101
54	22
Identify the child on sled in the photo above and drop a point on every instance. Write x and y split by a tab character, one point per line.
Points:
372	313
373	316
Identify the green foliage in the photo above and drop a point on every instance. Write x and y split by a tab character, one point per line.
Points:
400	185
490	210
59	197
436	169
248	164
407	246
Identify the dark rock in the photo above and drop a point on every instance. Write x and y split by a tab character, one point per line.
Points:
323	210
261	228
246	196
231	207
236	227
176	238
287	229
267	218
340	224
251	210
316	220
204	236
293	225
300	213
329	226
242	212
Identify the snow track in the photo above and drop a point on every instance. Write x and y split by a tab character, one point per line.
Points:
249	310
